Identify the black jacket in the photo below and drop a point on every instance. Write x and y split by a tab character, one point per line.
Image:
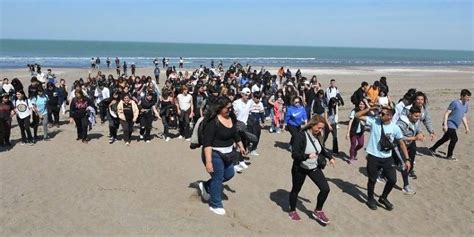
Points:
299	147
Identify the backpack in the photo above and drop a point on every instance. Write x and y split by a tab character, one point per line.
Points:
197	136
354	98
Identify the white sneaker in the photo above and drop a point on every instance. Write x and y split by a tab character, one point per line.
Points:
167	139
243	165
254	153
408	190
141	137
180	137
218	211
148	141
188	139
238	168
127	143
271	130
204	194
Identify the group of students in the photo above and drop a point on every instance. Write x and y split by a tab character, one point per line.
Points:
224	113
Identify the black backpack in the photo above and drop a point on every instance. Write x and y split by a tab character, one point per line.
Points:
354	98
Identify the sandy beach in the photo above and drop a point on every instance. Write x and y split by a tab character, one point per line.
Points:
63	187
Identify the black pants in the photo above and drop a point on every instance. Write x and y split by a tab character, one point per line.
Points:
35	125
255	129
113	126
449	135
53	114
103	112
335	147
127	127
184	123
82	124
411	156
24	125
374	164
293	130
146	121
5	129
298	175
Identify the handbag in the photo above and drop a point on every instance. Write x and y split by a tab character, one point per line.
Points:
385	143
227	158
321	160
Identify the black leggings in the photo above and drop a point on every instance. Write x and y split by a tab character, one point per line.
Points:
113	127
374	164
448	135
298	175
81	126
335	147
127	127
24	125
146	121
53	112
184	123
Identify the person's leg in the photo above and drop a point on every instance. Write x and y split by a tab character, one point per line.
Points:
352	149
126	134
27	128
84	127
78	128
229	172
372	173
181	124
298	177
21	124
56	111
317	176
35	126
412	154
50	113
187	113
441	141
215	184
7	132
130	130
258	131
142	124
3	130
45	127
148	126
452	143
360	143
391	175
165	127
335	147
293	130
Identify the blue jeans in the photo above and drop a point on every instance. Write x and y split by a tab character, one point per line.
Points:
222	173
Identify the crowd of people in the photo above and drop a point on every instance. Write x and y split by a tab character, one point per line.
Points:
224	112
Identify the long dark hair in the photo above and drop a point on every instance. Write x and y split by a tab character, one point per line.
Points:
213	111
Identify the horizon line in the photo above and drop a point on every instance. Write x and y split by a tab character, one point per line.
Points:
241	44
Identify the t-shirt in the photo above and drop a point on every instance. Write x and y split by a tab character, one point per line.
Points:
184	101
242	110
391	130
23	108
457	113
41	102
5	110
8	87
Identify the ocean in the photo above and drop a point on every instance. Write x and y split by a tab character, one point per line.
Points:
77	54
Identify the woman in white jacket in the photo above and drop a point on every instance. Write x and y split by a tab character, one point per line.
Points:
127	111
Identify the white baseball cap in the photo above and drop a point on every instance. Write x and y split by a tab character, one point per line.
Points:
246	90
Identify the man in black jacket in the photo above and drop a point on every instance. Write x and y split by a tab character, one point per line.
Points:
360	93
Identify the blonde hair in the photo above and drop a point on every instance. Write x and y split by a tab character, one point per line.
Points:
314	121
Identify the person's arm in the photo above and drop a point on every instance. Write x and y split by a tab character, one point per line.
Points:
428	124
178	109
192	109
209	133
72	110
349	128
135	110
327	120
155	111
361	114
445	120
464	122
403	147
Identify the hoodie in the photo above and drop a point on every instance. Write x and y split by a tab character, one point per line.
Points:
408	128
295	116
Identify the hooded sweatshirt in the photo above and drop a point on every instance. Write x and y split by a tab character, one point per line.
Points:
295	116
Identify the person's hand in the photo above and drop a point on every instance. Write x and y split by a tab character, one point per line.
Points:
191	114
313	155
71	120
244	152
468	131
332	162
330	127
420	137
347	136
407	165
445	128
209	167
432	136
179	112
134	120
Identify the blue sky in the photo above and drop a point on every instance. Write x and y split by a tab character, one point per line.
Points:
387	24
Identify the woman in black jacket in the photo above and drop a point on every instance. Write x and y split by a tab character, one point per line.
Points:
307	147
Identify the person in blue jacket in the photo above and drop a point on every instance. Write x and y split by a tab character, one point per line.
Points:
295	116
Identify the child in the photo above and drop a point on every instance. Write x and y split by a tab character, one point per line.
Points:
278	110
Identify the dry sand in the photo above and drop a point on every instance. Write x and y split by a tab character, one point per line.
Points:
63	187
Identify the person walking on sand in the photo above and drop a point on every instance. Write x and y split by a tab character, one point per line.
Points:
219	136
127	111
306	153
383	135
78	114
453	117
355	132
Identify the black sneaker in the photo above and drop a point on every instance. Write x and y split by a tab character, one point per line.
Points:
432	152
372	204
412	174
386	203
